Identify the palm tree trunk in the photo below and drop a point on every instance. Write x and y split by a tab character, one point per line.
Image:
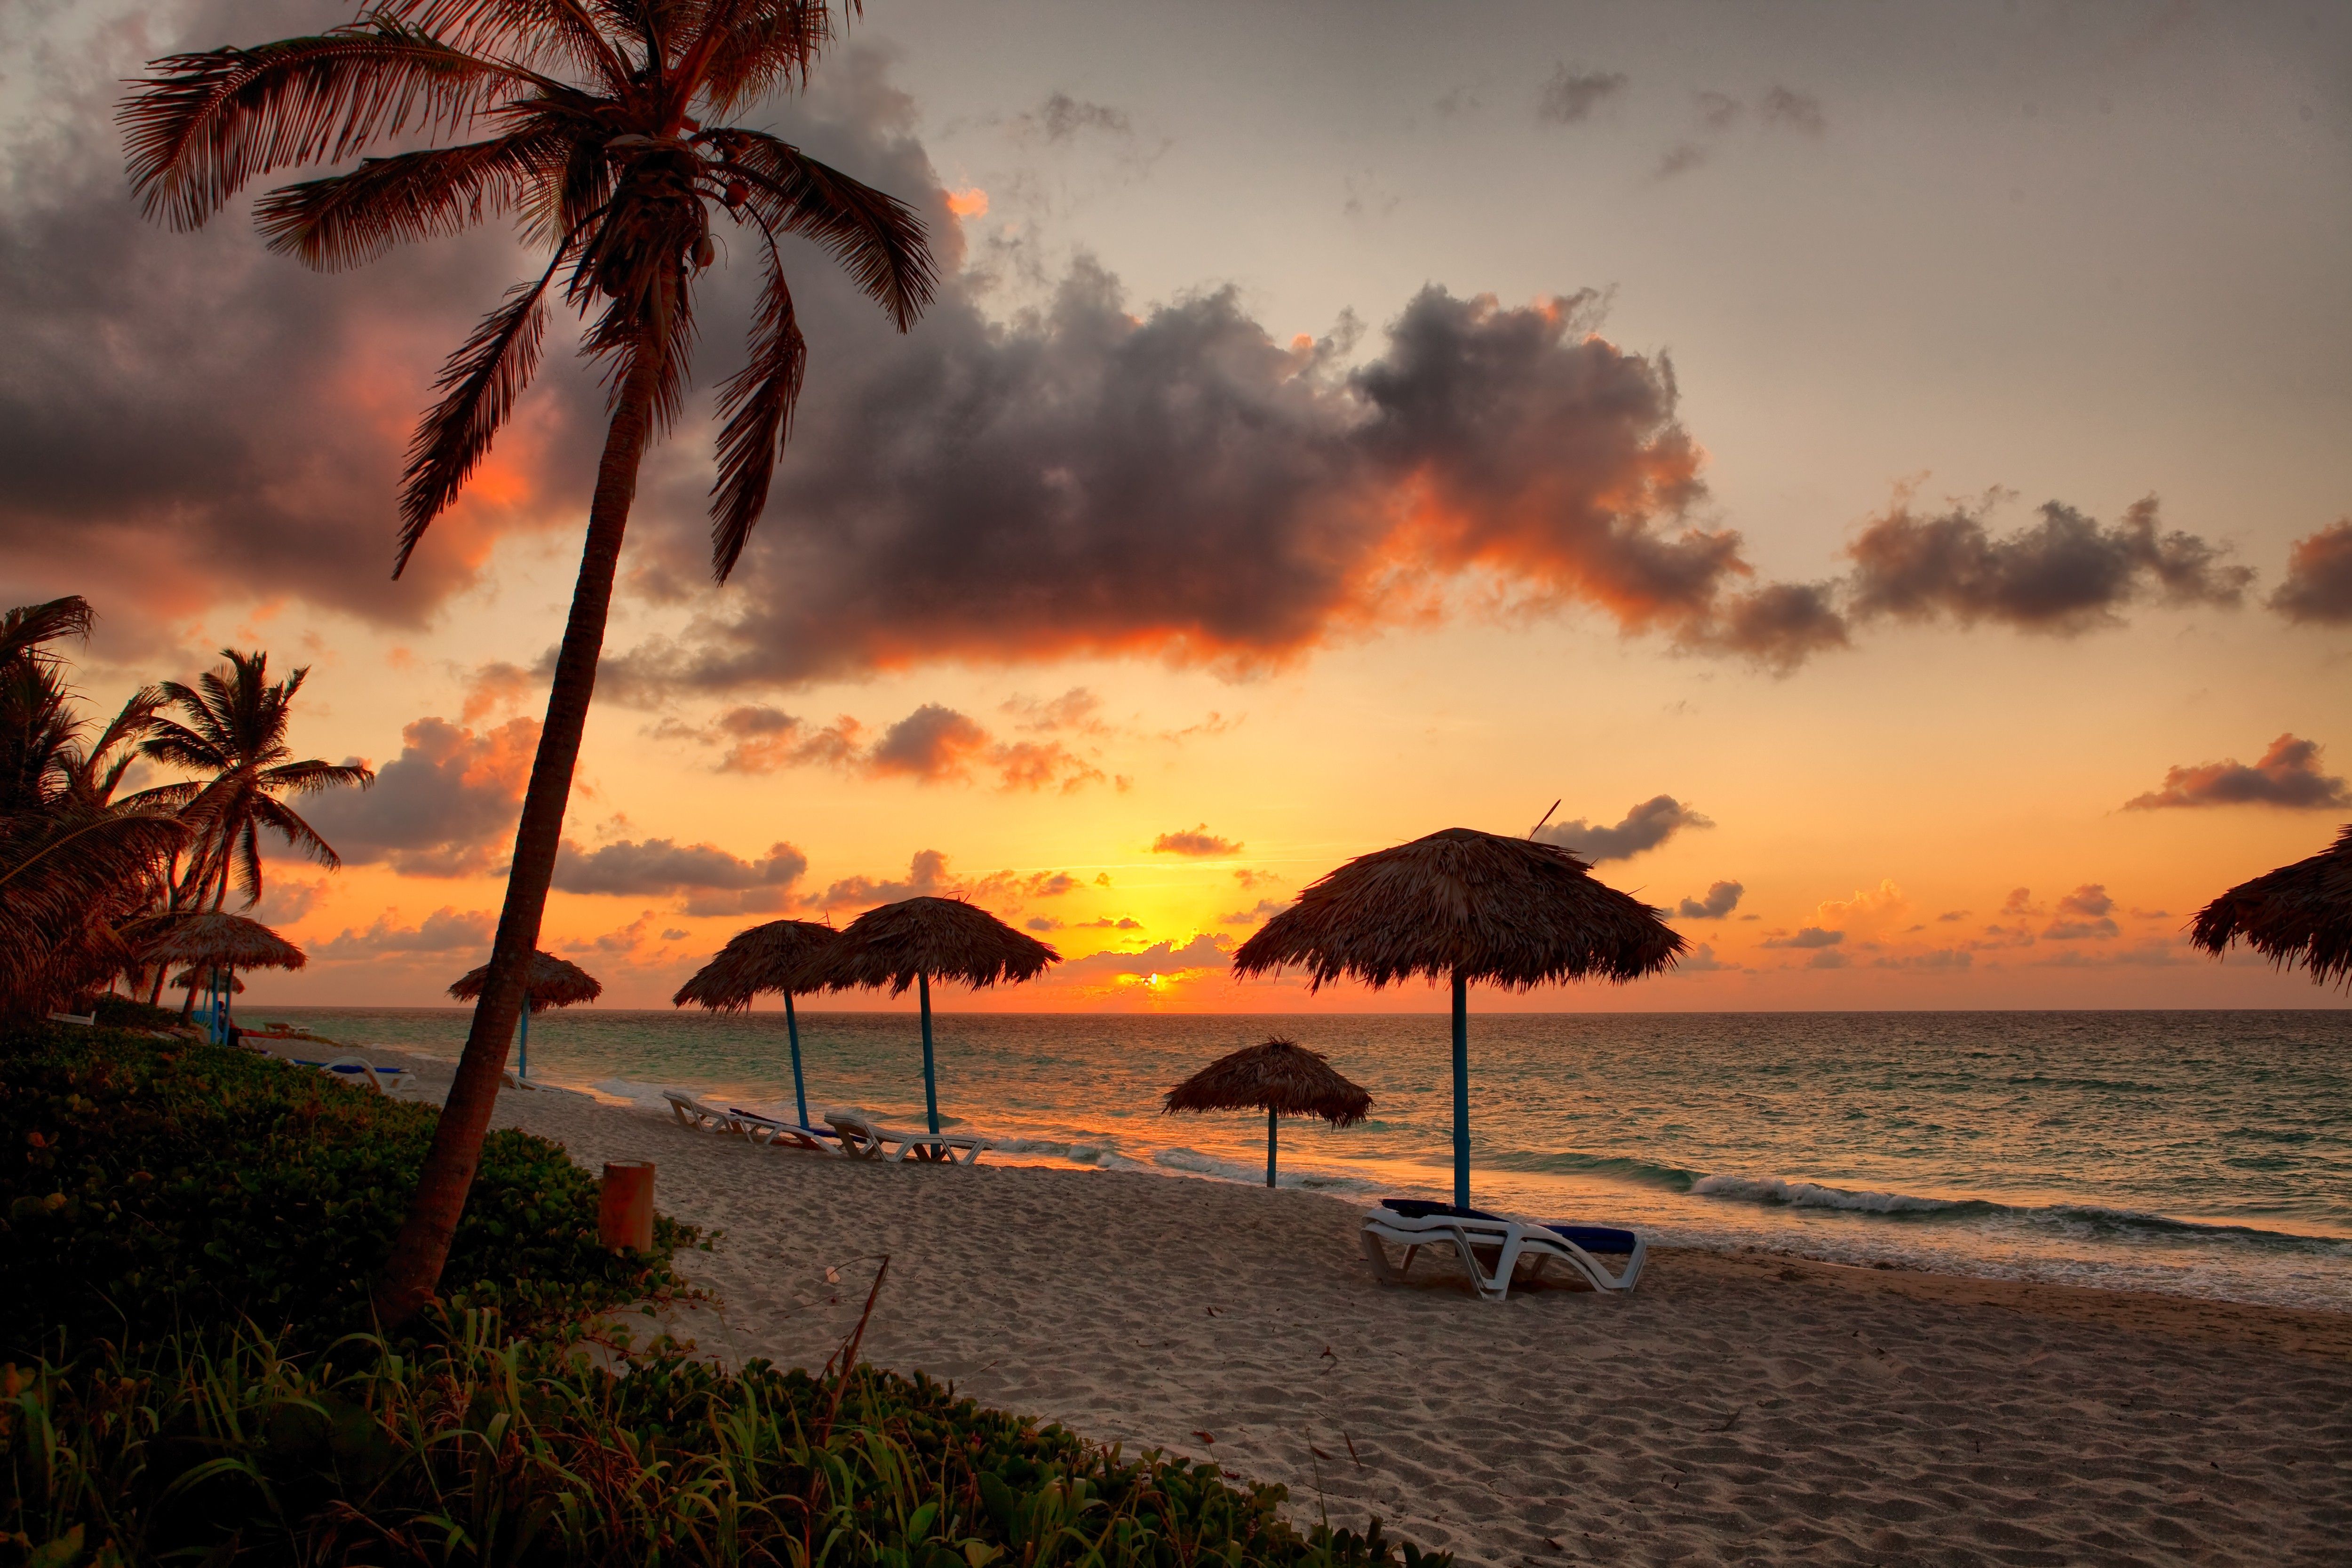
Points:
413	1268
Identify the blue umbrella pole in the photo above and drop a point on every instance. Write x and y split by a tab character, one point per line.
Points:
1461	1090
793	1032
522	1061
930	1079
1270	1135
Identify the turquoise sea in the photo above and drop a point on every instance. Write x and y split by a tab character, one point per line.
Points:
2200	1153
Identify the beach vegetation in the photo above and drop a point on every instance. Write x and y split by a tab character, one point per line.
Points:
601	133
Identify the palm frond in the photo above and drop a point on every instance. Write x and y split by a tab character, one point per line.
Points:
877	238
558	33
757	405
346	220
310	777
201	125
26	628
478	387
751	47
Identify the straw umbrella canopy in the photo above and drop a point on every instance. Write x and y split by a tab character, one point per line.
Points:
764	958
1464	905
552	981
912	941
1280	1077
213	941
2298	914
189	979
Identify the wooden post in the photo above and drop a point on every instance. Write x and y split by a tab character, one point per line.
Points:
624	1213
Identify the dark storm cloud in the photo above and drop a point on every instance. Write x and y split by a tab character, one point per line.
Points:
2066	574
445	807
2318	587
1643	826
185	417
1570	97
1722	897
2287	775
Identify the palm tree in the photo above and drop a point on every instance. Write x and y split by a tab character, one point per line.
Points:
74	866
604	144
235	734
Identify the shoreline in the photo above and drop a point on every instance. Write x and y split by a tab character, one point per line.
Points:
1791	1409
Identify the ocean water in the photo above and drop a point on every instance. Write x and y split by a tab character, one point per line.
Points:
2197	1153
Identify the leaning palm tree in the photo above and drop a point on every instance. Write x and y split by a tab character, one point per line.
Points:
604	143
234	735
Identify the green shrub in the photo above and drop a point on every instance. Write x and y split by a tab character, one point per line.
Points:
481	1452
122	1013
145	1183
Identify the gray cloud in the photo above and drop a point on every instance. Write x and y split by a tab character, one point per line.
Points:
927	877
711	881
2318	587
1570	97
1722	897
1643	826
934	745
1062	117
1807	937
1792	111
1265	909
446	806
2287	775
445	931
1195	841
2065	575
931	743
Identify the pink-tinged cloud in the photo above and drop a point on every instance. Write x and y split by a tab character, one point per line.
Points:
446	806
934	745
1196	841
2288	774
2318	587
711	881
444	932
1164	958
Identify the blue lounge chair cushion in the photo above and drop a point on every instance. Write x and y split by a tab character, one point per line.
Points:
1591	1237
299	1062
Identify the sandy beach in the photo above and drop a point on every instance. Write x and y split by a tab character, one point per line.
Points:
1735	1409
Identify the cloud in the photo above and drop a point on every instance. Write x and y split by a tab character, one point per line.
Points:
1806	937
1956	914
1718	112
2083	916
286	899
1792	111
445	931
2090	900
1195	841
1251	878
934	745
1124	922
927	877
1062	117
1042	923
1571	96
446	806
1164	958
2318	587
2020	902
713	881
2286	775
1936	958
1702	960
1076	710
933	742
1826	958
1092	479
493	686
2063	575
1265	909
1643	826
1722	897
1680	159
624	942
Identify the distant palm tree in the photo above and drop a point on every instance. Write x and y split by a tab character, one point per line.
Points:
600	146
234	735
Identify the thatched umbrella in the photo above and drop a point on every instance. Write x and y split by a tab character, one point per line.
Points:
1280	1077
1468	906
189	979
552	983
907	943
2297	914
764	958
220	945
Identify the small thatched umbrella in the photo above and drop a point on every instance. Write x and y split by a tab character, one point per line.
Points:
1467	906
764	958
907	943
220	945
553	982
2297	914
1280	1078
189	979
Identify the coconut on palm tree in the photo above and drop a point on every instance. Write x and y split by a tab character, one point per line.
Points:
597	127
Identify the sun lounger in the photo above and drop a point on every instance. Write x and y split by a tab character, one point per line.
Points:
778	1134
863	1140
352	1067
1414	1223
701	1118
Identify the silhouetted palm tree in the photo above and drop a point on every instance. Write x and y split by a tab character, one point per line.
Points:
602	145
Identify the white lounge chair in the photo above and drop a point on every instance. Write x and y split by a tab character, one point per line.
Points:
780	1134
863	1140
693	1114
351	1068
1413	1224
